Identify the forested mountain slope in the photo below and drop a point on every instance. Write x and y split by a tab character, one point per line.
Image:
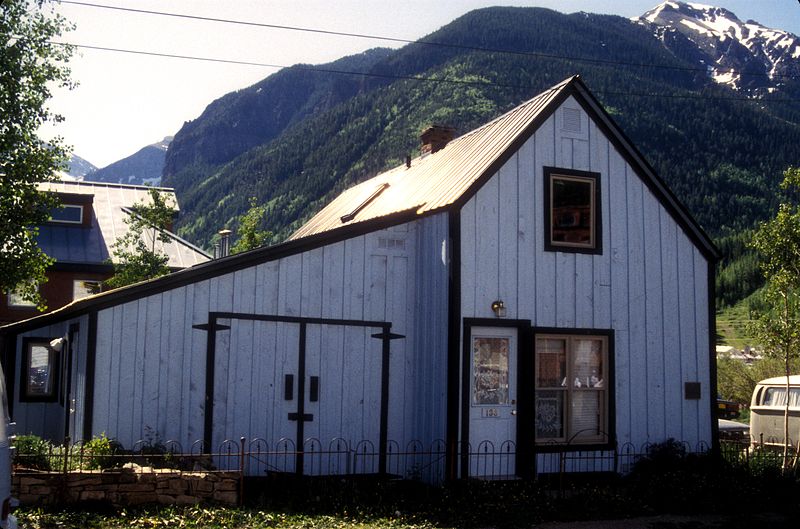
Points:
307	135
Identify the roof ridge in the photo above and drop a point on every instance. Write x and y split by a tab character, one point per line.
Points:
109	184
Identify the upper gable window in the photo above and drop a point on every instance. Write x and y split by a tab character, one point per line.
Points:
572	210
68	214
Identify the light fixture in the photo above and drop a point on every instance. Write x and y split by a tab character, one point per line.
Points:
499	308
57	344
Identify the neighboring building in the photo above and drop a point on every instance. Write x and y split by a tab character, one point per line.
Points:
530	287
80	238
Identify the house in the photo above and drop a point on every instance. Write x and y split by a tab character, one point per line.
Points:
80	236
531	287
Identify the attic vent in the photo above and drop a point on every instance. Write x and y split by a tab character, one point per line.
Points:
572	120
350	216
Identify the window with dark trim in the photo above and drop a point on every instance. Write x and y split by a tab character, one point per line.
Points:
39	371
572	211
572	384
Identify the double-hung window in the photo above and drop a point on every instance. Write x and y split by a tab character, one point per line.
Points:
572	388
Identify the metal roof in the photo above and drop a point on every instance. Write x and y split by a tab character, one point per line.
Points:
433	181
110	207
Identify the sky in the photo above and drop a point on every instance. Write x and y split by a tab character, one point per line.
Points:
125	101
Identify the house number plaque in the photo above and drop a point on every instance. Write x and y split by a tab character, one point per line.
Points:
490	412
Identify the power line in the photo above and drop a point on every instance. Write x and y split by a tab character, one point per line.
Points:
408	77
296	66
426	42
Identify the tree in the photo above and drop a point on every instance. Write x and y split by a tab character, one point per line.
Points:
249	236
136	256
30	65
778	243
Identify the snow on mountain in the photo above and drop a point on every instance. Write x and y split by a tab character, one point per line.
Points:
745	56
78	168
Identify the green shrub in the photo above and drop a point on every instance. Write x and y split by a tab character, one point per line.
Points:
31	451
98	453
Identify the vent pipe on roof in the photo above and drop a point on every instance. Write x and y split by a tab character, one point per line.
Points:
224	243
435	138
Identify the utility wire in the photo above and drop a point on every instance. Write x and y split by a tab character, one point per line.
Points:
427	42
410	77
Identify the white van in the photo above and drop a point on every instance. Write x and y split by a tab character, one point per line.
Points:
767	409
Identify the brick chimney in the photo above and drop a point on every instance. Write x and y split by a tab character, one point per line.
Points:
435	138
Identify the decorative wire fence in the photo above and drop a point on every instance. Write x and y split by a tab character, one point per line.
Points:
339	457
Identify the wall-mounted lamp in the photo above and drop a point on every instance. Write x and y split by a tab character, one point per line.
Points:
57	344
499	308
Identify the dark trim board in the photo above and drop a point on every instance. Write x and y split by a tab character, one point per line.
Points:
712	352
212	327
453	340
84	268
91	361
74	329
9	344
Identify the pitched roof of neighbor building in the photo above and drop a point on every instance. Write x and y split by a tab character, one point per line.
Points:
441	181
111	205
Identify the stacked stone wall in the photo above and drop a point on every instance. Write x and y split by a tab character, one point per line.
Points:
126	486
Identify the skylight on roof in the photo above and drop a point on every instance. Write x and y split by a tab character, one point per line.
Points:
375	194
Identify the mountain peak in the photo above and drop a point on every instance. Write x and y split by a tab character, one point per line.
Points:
689	9
744	56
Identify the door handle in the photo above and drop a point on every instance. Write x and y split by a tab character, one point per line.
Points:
513	412
288	387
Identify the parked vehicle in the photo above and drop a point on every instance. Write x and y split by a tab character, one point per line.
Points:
7	520
733	431
727	409
767	409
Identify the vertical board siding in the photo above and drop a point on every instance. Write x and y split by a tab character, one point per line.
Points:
150	381
648	285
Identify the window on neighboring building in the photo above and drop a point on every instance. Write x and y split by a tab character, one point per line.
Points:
572	210
67	213
39	371
82	288
572	381
17	301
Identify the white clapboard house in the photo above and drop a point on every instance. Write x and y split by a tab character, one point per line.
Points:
531	287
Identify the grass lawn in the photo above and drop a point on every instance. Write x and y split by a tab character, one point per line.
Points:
731	323
206	517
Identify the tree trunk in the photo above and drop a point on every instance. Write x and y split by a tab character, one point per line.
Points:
786	352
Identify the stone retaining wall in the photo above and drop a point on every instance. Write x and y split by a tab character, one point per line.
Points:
126	486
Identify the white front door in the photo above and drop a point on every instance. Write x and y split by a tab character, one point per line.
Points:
493	401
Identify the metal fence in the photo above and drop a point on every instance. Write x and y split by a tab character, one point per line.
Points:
339	457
